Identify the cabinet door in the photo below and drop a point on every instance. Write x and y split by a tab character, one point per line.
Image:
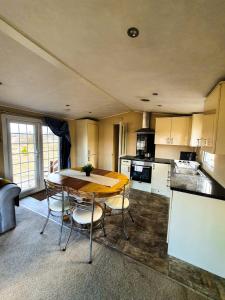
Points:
208	135
180	131
220	139
125	167
92	144
196	130
162	131
160	179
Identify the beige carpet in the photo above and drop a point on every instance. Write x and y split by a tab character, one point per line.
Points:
32	267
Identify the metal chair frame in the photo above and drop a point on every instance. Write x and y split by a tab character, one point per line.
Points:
88	202
125	193
56	192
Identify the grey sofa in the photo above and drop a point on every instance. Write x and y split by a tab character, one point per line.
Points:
8	194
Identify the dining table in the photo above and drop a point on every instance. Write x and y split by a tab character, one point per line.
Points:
101	183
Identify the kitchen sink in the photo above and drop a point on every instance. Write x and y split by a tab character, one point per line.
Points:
191	172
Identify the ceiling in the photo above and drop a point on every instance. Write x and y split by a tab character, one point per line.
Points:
56	52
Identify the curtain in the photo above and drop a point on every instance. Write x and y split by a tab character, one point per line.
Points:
61	129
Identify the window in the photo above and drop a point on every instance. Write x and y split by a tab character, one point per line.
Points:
50	151
23	156
208	159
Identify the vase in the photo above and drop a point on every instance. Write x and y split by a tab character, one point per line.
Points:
88	173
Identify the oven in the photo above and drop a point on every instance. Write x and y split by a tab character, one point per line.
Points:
141	171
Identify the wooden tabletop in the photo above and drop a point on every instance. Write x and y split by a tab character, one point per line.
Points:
89	187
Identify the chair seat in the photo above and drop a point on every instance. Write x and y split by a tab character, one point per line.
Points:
116	202
56	205
83	216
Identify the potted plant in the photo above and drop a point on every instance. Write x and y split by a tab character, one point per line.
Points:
87	169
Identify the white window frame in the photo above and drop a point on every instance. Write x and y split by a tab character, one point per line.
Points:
6	119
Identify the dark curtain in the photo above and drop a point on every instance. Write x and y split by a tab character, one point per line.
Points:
61	129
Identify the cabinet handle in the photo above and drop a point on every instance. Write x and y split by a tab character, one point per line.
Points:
128	169
171	141
153	166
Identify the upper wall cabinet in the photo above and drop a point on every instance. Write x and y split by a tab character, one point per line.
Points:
213	131
86	142
173	131
196	130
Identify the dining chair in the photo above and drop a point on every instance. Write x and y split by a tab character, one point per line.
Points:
87	215
120	204
58	203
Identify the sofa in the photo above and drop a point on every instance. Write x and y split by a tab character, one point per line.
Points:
9	195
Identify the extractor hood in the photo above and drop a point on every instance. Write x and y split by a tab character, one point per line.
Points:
146	124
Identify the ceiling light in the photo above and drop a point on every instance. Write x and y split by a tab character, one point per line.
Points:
155	94
159	105
133	32
144	100
0	83
67	105
90	112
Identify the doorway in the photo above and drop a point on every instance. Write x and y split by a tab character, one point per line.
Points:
31	152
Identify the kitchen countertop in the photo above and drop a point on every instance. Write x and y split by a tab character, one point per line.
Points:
198	185
154	160
192	184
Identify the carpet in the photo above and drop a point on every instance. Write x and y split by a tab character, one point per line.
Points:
32	267
147	243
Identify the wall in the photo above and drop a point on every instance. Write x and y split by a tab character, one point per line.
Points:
134	122
170	152
216	168
17	112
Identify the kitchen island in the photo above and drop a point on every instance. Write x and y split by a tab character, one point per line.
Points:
196	229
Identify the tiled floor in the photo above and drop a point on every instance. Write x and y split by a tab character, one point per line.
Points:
147	242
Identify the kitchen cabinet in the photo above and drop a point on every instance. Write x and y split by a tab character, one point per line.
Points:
196	225
196	130
160	183
213	137
220	137
125	167
208	133
86	142
173	131
162	131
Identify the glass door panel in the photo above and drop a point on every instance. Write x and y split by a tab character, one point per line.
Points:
24	165
50	151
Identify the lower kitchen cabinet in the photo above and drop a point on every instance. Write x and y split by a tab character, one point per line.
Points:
160	183
196	231
125	167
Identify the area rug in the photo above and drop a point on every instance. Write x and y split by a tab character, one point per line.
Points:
39	195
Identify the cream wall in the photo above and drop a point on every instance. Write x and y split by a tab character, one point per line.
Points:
218	170
170	152
133	121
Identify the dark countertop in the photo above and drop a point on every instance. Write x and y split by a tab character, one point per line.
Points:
154	160
198	185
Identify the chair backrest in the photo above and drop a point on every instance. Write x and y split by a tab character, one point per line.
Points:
55	191
82	199
54	166
127	190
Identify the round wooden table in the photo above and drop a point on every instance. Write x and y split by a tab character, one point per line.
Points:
83	185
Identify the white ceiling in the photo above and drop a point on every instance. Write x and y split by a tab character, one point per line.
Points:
180	53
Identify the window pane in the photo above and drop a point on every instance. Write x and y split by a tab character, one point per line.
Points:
50	150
